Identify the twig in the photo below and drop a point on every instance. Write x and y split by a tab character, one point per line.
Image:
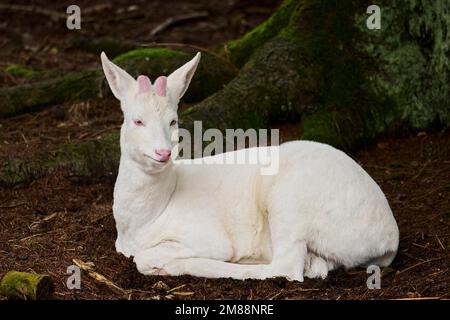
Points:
177	19
97	7
304	290
116	18
276	295
89	268
418	264
24	139
189	293
176	288
33	9
440	243
98	133
3	44
101	217
44	45
438	272
9	206
421	298
39	234
420	171
424	247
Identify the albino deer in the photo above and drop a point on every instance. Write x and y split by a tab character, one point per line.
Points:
319	212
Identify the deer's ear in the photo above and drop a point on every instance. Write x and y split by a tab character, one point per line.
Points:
178	81
120	82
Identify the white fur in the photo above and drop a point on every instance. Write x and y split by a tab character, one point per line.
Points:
321	211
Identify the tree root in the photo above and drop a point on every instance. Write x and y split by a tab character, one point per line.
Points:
212	74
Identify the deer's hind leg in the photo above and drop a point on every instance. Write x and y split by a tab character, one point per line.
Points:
318	267
289	252
288	234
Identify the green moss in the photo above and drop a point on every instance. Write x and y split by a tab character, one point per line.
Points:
189	110
322	127
241	49
14	171
412	51
376	79
19	70
350	112
150	53
365	81
23	285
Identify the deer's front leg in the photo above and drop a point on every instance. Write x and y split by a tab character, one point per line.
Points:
284	264
209	268
152	261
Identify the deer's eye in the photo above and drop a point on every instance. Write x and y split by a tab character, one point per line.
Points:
139	123
173	122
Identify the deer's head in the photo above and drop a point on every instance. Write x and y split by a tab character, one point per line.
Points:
150	111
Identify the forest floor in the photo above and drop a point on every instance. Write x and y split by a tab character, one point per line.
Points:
55	219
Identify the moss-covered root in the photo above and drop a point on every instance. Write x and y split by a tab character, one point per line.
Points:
90	159
69	87
240	50
343	130
212	74
28	286
273	86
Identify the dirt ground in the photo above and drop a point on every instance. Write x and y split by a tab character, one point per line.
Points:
48	223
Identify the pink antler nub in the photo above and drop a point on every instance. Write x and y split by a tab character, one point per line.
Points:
144	84
161	86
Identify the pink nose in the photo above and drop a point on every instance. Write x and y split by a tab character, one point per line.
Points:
163	154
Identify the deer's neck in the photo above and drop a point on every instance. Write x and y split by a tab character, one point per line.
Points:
140	197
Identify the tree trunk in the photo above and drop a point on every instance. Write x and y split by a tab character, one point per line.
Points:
348	83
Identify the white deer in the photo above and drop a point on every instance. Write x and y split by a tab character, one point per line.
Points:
320	211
